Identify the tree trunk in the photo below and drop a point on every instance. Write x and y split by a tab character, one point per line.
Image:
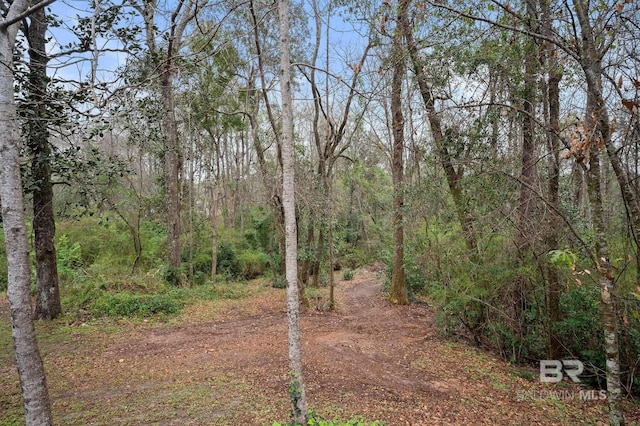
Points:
398	291
214	227
172	166
328	188
552	96
597	119
453	176
606	281
47	290
315	267
30	369
164	62
275	201
297	392
527	174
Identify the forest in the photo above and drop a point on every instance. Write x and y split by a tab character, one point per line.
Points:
468	170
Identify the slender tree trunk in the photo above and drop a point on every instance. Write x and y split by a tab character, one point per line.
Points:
30	369
214	226
552	95
597	120
606	281
305	265
296	387
315	269
454	177
172	166
164	62
275	201
328	191
47	290
527	174
398	291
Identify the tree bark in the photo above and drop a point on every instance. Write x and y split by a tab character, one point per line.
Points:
47	289
398	291
30	369
552	96
172	166
296	386
599	126
527	174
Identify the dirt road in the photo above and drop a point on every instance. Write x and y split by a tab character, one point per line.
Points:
226	363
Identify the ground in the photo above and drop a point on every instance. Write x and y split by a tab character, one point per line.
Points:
225	363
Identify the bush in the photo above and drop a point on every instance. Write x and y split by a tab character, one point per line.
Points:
252	264
279	282
69	256
347	274
172	275
227	260
315	420
581	309
126	305
202	263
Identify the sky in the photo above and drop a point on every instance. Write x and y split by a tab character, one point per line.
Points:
77	66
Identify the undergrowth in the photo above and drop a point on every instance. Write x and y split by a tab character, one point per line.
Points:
316	420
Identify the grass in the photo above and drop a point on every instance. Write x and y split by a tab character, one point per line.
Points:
144	297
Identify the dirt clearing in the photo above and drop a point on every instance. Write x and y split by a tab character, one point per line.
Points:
225	363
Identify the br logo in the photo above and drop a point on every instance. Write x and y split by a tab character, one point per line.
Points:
552	371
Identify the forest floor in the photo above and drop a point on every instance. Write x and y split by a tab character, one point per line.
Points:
225	363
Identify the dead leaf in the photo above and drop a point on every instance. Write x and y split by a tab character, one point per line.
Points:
630	104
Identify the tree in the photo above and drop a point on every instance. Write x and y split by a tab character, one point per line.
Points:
442	138
598	133
331	140
28	360
47	292
297	391
398	291
163	58
551	100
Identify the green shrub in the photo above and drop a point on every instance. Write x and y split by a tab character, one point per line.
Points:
69	257
579	331
279	282
347	274
172	275
227	260
126	305
202	263
315	420
252	264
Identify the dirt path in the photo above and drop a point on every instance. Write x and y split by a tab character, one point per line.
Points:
227	364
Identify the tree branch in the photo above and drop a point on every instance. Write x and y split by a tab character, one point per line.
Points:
10	21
